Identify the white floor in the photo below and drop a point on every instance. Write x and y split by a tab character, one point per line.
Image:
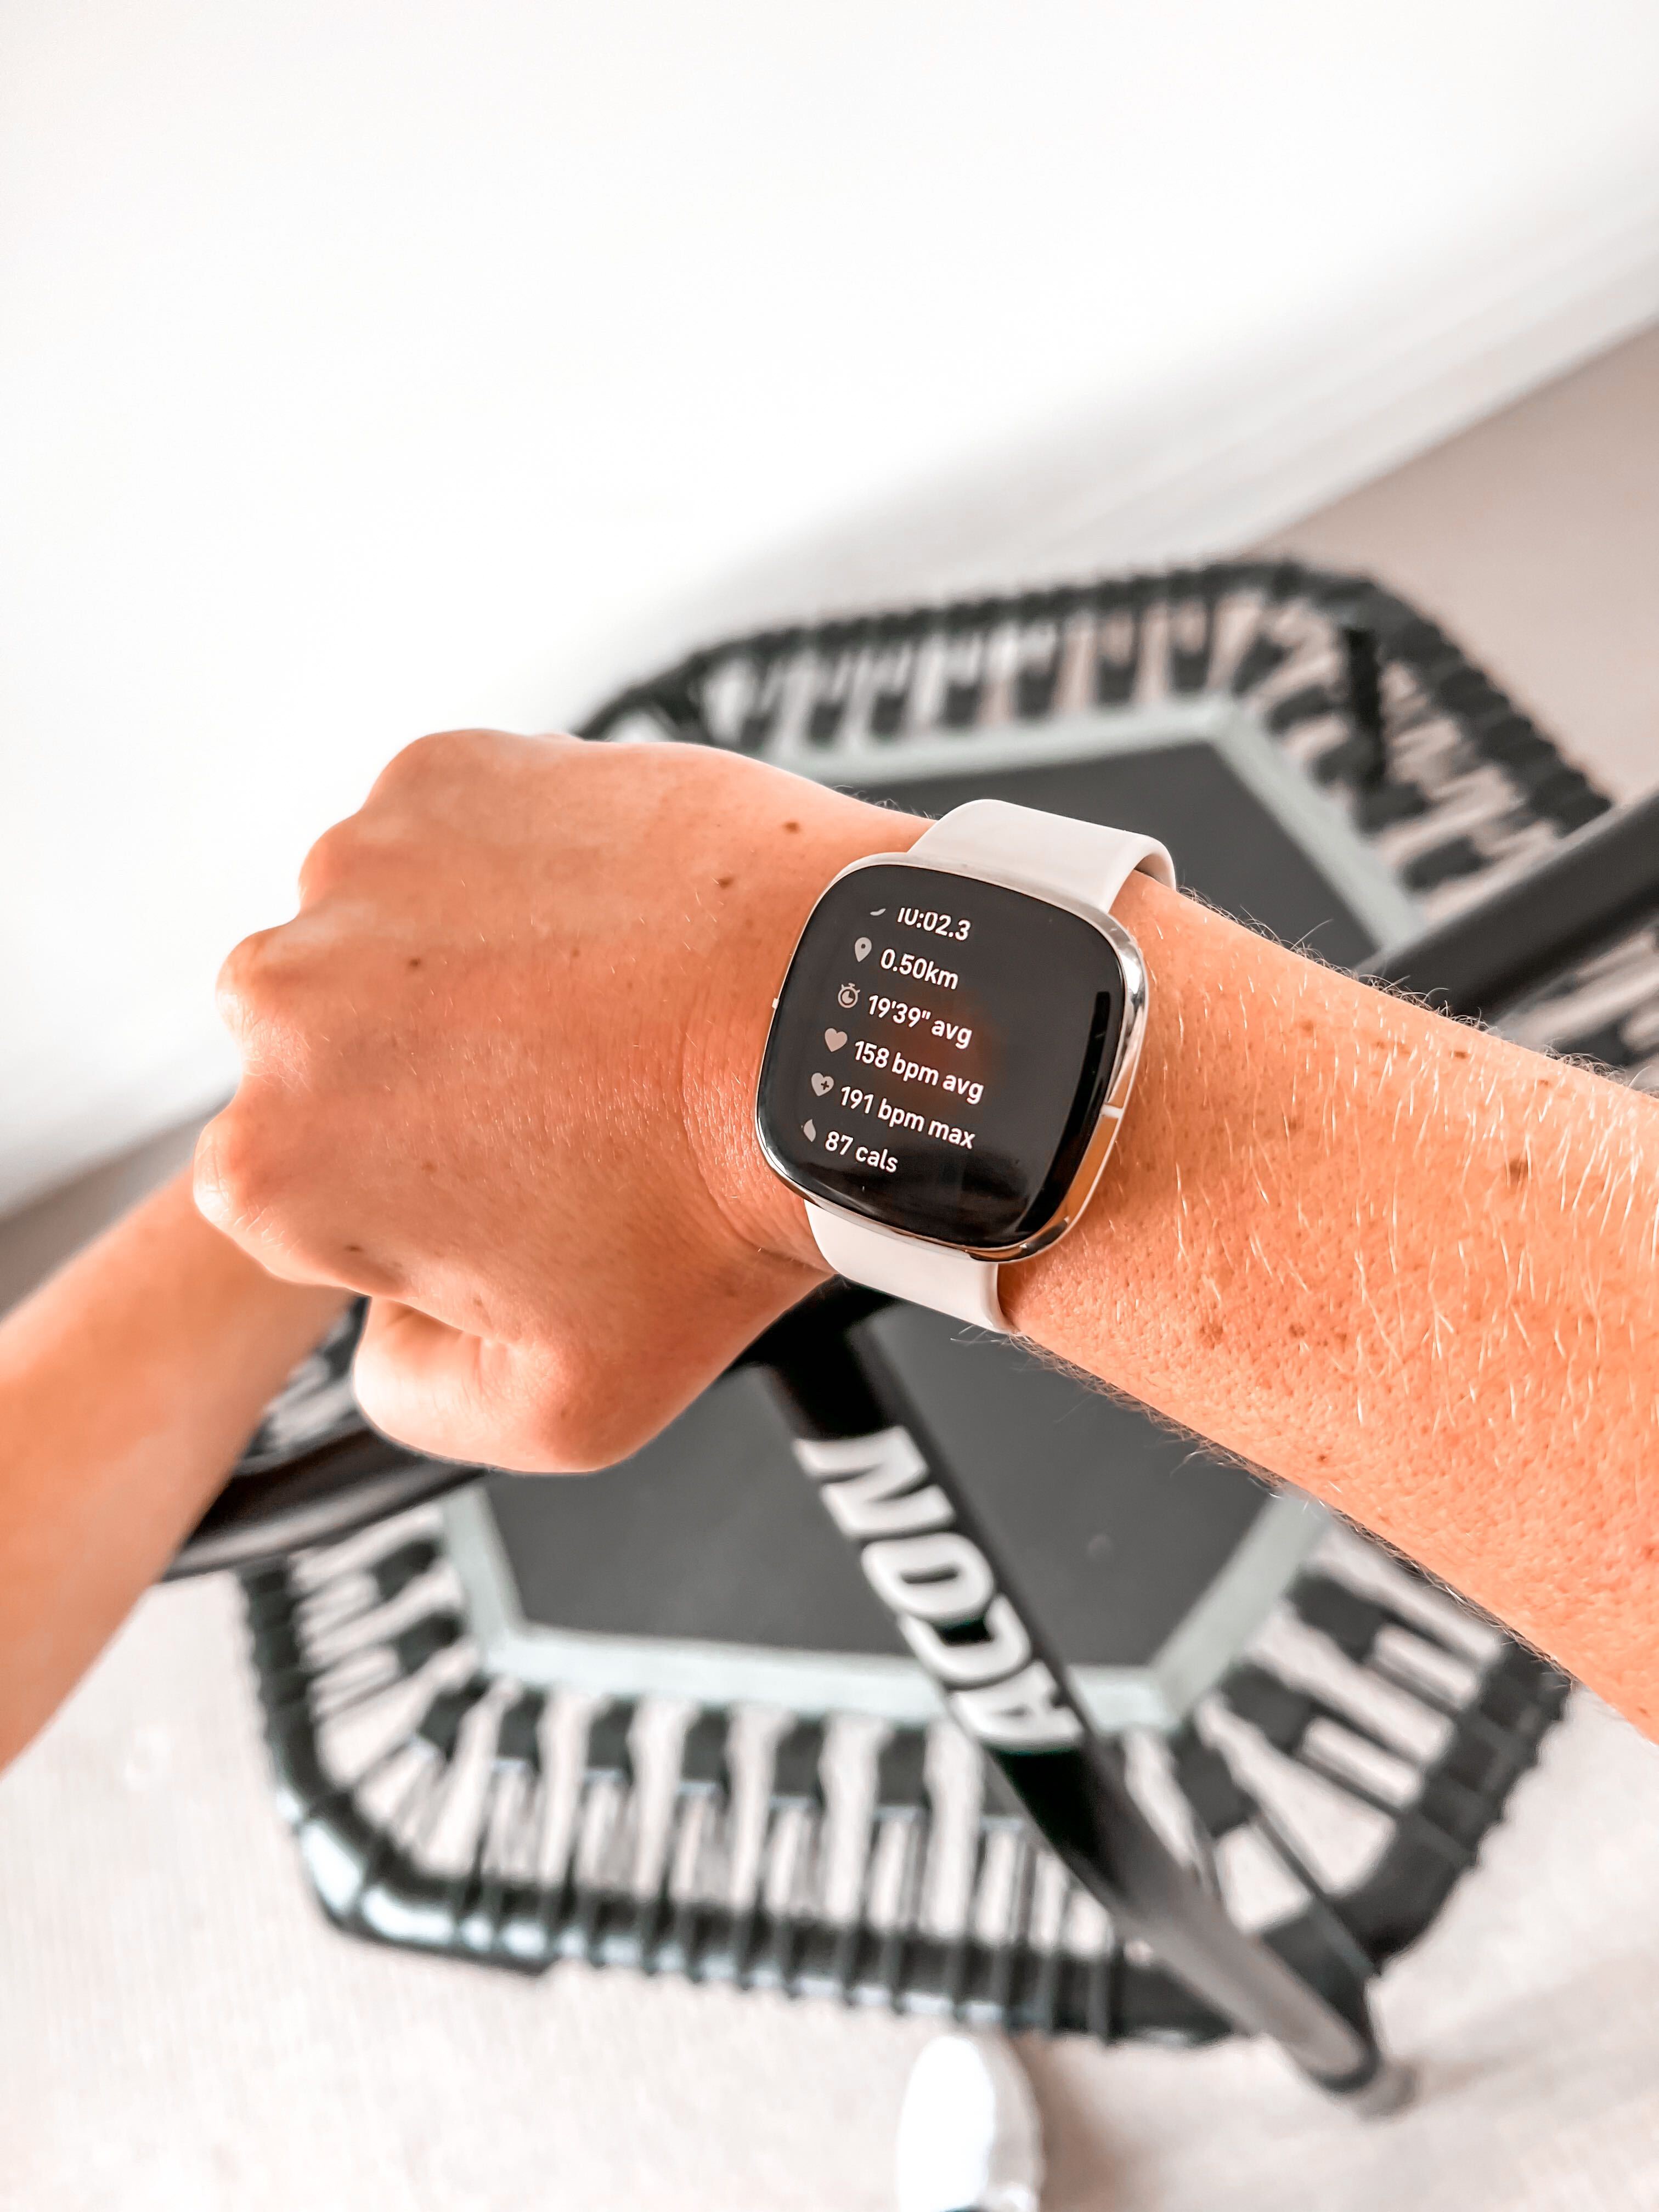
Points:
1532	2010
179	2033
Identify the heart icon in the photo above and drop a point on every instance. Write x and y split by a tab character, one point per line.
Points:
861	950
809	1133
822	1083
835	1039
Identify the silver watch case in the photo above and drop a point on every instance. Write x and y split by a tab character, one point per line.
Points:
1125	1066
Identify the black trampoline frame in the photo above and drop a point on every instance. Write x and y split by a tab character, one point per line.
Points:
1372	647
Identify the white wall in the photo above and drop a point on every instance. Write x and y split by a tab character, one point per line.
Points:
366	368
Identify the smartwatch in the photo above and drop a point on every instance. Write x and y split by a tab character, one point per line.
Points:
953	1047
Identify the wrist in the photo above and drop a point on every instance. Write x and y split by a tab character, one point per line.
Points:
1161	921
786	863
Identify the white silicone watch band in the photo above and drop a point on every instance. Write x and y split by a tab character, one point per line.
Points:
926	1274
1052	853
1046	854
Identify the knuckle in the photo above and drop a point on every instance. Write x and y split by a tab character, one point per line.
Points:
549	1411
429	761
245	1184
408	1396
242	972
576	1420
246	989
528	1442
331	860
259	989
376	1383
235	1182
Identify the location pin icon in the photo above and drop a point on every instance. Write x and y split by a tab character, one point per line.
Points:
861	948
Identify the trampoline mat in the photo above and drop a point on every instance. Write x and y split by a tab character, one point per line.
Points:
1229	846
1114	1527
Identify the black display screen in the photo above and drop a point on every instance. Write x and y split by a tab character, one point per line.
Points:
940	1053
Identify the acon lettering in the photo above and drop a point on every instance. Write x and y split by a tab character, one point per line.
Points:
934	1577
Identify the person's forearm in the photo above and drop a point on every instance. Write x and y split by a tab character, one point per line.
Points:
128	1383
500	1073
1398	1261
1394	1260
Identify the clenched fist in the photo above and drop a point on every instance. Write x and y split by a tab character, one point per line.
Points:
498	1072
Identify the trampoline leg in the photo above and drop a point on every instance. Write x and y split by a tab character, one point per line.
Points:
1389	2089
892	1494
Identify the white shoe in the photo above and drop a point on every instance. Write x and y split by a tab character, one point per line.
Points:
969	2138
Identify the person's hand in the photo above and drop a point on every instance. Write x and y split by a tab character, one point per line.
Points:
499	1072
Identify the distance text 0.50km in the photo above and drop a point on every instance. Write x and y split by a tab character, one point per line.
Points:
919	967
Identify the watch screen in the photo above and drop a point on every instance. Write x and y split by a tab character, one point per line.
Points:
940	1052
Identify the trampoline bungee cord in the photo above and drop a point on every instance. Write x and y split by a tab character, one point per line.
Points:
871	1462
1471	803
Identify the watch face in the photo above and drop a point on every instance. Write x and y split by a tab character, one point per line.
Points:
940	1052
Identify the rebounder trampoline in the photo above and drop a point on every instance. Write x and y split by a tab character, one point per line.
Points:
657	1719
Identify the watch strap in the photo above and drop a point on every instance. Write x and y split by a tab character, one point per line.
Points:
1051	855
924	1275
